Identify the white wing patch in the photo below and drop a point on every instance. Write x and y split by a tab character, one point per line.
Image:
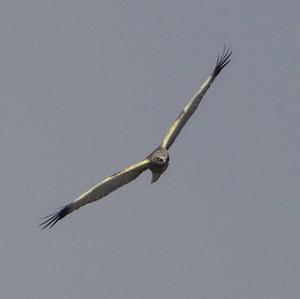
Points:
193	99
114	184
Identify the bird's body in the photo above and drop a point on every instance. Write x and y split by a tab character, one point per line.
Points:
157	161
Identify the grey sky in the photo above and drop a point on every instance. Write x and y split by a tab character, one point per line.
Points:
88	87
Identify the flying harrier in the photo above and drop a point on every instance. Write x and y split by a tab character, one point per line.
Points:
157	162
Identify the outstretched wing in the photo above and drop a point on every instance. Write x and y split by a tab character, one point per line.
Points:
105	187
190	108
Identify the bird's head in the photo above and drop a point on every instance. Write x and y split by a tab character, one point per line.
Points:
160	157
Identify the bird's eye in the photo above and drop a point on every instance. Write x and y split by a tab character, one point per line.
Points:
159	159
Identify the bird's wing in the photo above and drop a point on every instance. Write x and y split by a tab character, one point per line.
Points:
105	187
190	108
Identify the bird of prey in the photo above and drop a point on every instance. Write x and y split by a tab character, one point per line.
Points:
157	162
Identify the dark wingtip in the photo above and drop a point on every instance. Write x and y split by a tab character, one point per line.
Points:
222	61
55	217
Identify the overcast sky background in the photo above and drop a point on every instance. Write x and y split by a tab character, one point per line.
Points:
89	87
